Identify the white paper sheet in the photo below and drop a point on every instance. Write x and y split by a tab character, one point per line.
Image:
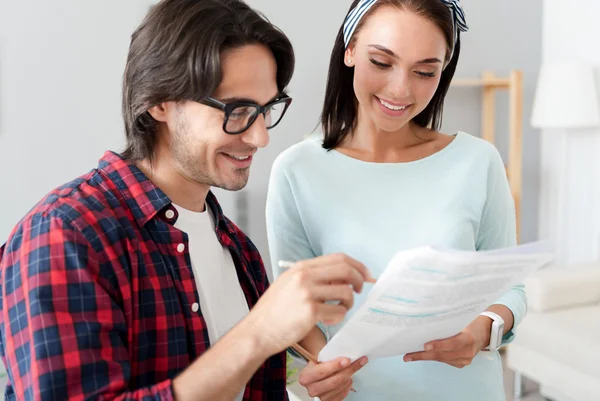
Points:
430	294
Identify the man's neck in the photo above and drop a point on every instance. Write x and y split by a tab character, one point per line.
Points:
182	191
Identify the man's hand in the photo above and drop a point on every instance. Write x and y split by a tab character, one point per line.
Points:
297	300
457	351
330	381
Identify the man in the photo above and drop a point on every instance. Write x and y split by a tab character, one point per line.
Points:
129	282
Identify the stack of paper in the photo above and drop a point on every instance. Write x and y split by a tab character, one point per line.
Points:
430	294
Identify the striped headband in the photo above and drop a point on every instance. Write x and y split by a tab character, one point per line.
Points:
352	20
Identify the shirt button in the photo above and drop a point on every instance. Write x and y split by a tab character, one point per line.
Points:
180	248
169	214
195	307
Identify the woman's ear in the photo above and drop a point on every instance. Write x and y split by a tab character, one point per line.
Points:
349	56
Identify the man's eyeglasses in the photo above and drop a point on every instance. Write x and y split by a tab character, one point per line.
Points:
239	116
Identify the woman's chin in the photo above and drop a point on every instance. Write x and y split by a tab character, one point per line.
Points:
391	125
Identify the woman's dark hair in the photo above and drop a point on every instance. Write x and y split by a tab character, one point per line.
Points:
175	55
338	118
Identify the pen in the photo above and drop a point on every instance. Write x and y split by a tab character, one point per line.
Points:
309	357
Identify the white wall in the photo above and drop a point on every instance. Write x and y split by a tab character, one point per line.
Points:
61	64
570	167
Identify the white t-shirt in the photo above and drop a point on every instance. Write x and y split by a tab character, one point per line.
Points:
222	301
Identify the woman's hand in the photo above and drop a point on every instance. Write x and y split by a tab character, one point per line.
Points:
457	351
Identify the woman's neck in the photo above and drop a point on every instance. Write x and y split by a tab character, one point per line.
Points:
369	143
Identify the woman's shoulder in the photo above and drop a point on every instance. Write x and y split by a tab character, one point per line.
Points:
303	153
474	141
477	147
481	153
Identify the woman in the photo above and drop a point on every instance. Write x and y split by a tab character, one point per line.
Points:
385	179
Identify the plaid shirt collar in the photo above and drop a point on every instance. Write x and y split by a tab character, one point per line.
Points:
144	199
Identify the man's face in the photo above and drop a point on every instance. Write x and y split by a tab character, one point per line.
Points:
199	147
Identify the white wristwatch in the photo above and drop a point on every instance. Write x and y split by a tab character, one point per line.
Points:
497	330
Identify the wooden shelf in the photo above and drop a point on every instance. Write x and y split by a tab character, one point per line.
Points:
498	83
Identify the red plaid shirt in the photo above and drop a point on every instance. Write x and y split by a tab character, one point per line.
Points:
97	293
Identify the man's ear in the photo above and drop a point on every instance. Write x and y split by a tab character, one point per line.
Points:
159	112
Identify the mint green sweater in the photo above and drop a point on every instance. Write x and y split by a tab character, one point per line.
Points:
322	202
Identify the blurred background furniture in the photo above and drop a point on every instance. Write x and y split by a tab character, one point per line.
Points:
558	343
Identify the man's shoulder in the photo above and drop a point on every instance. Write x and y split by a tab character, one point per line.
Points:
84	204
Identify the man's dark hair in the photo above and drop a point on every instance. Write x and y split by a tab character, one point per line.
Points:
175	55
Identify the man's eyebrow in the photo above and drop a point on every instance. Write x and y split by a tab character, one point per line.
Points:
247	100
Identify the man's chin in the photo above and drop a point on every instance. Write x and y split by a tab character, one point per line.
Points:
234	183
233	187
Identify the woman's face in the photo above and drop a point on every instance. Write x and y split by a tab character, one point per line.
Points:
398	59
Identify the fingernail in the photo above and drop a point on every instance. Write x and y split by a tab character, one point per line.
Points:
408	359
345	363
364	361
429	347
